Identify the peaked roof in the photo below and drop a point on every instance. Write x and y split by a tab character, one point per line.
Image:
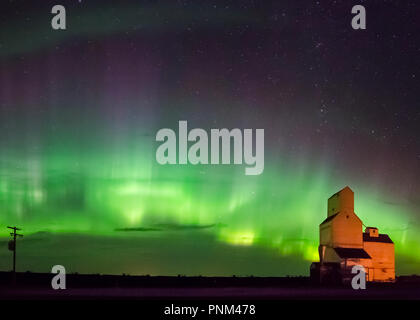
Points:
384	238
357	253
329	218
346	188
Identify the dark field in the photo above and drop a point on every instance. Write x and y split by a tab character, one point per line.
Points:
38	286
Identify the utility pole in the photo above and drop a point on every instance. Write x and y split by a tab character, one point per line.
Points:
12	247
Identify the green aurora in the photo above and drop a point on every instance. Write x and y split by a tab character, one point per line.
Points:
280	209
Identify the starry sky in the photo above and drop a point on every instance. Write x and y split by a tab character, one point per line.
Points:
80	108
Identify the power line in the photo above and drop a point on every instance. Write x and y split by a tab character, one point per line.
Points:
12	247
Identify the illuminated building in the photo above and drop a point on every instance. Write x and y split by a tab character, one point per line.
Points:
343	244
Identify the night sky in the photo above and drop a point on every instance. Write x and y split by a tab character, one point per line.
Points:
80	108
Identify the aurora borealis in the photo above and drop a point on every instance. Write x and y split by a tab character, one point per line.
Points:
80	108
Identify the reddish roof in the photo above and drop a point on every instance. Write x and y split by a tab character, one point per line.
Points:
357	253
384	238
329	218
